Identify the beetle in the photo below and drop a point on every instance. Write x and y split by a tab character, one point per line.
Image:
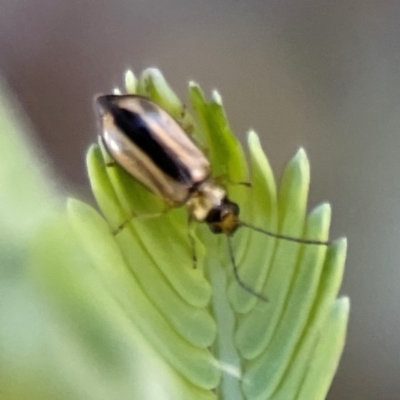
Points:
152	147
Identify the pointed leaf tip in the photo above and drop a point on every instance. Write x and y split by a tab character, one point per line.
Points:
253	140
322	208
299	164
341	243
252	135
217	97
153	72
131	82
301	155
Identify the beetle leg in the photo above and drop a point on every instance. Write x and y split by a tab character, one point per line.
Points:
141	217
224	179
192	241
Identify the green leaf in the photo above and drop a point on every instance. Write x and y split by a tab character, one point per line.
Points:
27	195
88	314
254	342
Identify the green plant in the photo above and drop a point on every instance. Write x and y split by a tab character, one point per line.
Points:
86	315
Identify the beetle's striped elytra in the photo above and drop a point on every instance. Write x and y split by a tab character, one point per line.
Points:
150	145
153	148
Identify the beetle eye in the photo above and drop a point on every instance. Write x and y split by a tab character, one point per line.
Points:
214	215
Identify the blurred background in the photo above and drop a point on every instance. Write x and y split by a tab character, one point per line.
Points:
320	74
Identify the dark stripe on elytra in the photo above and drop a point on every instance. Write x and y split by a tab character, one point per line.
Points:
154	181
136	129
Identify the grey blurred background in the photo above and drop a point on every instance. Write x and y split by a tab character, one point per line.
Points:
320	74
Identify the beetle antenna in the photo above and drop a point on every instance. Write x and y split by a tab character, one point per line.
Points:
285	237
236	273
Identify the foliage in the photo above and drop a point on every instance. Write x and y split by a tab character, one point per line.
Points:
85	314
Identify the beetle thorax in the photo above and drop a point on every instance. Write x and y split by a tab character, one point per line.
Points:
206	197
